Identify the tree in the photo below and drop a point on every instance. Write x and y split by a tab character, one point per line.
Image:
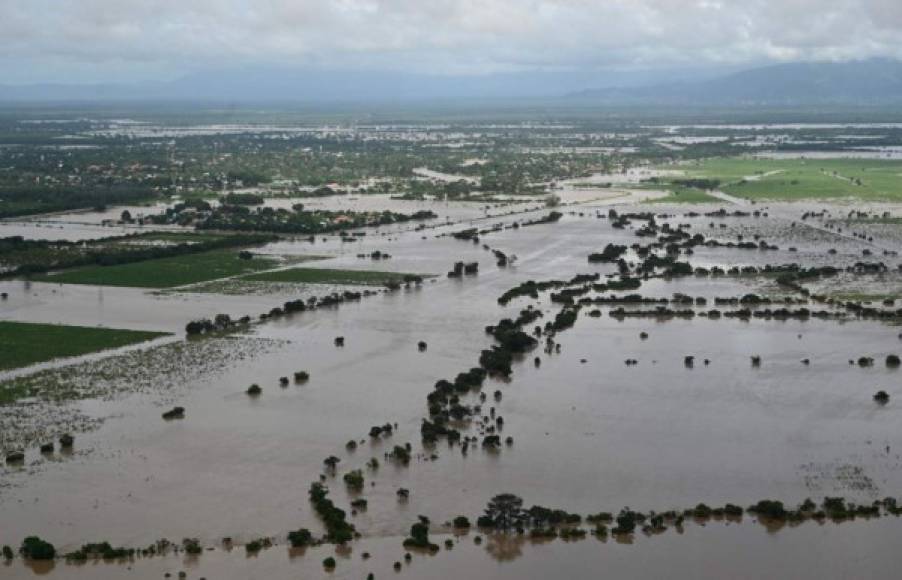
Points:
34	548
300	538
505	510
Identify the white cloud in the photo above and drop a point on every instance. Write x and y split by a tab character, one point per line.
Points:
440	35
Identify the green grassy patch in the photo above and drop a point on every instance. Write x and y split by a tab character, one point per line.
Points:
325	276
792	179
23	343
862	296
165	272
685	195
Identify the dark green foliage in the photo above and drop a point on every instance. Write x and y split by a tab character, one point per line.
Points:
31	199
626	522
400	454
267	219
192	546
541	516
300	538
419	536
485	521
338	530
497	361
354	480
769	509
504	511
329	563
34	548
610	253
461	522
243	199
27	257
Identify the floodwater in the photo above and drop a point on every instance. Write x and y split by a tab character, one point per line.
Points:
854	550
588	436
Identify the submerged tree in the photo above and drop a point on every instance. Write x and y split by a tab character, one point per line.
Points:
505	511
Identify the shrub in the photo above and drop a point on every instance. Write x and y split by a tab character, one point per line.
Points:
769	509
354	479
300	538
329	563
34	548
192	546
461	522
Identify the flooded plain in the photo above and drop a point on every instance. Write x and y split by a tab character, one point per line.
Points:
590	433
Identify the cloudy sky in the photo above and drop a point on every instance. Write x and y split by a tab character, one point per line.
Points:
127	40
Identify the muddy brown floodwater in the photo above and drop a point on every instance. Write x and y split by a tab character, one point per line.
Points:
588	437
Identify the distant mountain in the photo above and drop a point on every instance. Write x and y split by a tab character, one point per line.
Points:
285	84
874	81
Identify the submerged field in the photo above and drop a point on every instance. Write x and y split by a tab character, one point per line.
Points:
23	344
689	387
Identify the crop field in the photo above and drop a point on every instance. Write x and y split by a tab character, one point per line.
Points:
796	179
165	272
685	195
23	344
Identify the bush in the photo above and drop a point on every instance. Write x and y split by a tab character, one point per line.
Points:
192	546
461	522
329	563
300	538
354	480
34	548
769	509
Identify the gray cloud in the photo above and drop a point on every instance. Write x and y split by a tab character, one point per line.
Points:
159	37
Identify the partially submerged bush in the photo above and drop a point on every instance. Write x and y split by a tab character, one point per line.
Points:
354	480
300	538
34	548
174	413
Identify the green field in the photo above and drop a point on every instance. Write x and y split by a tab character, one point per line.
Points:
325	276
165	272
794	179
23	344
685	195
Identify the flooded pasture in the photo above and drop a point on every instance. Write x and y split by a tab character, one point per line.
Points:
589	432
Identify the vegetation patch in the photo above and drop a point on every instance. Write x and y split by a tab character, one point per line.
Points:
23	343
790	179
326	276
166	272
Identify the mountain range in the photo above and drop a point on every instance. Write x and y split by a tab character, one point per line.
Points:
874	81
